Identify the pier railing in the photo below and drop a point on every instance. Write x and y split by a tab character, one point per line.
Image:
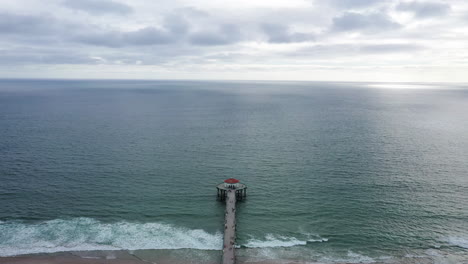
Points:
231	196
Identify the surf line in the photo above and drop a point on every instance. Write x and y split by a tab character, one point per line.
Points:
230	191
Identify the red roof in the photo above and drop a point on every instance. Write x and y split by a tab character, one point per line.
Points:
231	180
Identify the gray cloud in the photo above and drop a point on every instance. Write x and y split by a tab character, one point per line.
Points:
29	29
18	24
170	35
209	39
15	24
115	39
111	39
324	51
424	9
277	33
356	3
344	50
367	22
77	54
28	55
36	29
176	24
390	48
97	7
226	34
149	36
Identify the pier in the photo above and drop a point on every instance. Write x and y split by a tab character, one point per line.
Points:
230	191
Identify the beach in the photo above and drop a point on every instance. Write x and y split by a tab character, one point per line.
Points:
125	258
194	257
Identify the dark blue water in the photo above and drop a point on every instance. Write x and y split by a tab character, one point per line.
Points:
336	171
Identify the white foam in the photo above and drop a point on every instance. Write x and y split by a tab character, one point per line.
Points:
458	241
414	256
433	253
318	240
87	234
355	257
84	234
352	257
272	241
311	237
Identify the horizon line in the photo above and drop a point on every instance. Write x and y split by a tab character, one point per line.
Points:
226	80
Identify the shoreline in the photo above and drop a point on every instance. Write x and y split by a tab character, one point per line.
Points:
136	257
181	256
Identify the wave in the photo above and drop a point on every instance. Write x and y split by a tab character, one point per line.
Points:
87	234
458	241
84	234
351	257
272	241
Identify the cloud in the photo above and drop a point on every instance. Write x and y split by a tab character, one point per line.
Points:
26	24
356	3
36	30
173	34
98	7
176	24
390	48
111	39
33	29
225	34
424	9
350	50
43	56
366	22
148	36
277	33
141	37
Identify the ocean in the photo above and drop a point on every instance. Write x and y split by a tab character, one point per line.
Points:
336	172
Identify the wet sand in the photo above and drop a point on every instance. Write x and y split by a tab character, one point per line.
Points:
121	257
78	260
182	256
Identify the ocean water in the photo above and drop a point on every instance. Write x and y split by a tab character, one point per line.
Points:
337	172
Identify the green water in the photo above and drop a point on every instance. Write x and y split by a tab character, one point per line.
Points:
335	171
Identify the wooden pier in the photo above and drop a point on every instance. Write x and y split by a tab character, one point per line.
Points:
231	192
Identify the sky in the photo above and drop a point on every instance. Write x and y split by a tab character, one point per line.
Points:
317	40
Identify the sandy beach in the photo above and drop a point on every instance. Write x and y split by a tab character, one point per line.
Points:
130	257
73	259
161	257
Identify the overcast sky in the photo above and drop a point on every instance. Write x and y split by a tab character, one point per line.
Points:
342	40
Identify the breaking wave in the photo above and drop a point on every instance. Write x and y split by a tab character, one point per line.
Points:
458	241
272	241
351	257
86	234
83	234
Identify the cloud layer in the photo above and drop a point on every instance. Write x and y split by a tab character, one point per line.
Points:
98	7
289	39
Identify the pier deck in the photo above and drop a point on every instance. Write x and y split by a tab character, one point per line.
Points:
230	228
